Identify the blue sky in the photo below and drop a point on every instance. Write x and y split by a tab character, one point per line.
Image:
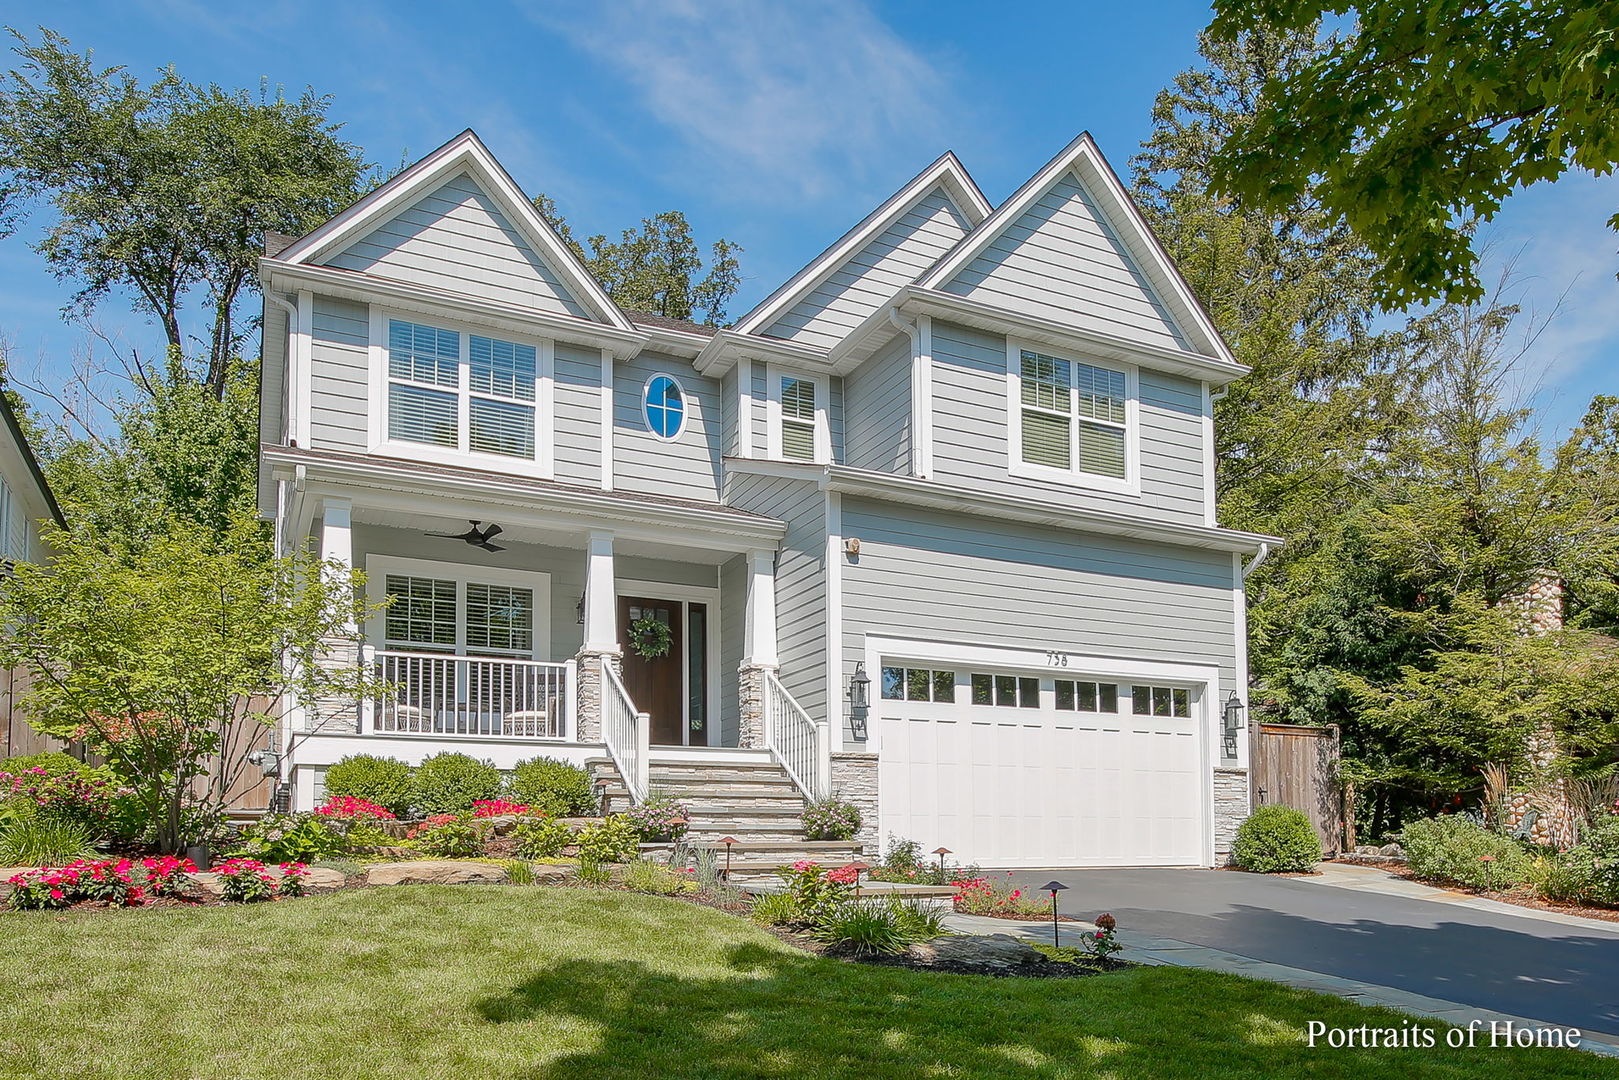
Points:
777	125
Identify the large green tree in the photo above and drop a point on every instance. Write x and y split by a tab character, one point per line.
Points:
657	267
1421	118
165	190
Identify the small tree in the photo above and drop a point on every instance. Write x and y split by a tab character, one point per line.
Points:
163	658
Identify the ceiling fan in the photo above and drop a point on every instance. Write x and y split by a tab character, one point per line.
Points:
478	538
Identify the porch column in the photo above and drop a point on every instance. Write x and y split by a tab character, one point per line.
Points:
758	647
601	646
341	649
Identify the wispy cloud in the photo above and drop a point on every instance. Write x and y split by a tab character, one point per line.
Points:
1563	259
796	99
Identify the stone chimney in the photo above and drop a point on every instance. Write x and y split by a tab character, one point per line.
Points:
1540	605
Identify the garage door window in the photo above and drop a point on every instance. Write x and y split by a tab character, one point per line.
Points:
1160	701
1006	690
918	684
1087	696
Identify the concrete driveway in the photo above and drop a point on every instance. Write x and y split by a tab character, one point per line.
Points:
1507	963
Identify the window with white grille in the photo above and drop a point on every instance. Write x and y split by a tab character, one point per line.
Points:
1072	417
463	392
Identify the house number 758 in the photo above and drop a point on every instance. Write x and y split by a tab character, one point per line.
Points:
1056	659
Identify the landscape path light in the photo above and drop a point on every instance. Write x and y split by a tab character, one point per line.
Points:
1054	887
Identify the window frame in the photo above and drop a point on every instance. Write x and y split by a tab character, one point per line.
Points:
379	567
1073	476
775	384
541	465
646	403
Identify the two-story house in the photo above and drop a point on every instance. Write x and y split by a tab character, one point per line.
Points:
931	528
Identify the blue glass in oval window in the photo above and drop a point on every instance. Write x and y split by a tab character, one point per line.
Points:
665	407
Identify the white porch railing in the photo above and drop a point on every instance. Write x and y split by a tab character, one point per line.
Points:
440	694
627	733
797	742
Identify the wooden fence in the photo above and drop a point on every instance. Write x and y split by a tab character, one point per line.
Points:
251	792
1298	767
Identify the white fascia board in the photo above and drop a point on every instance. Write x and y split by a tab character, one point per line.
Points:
914	300
1084	158
441	303
726	347
673	342
466	152
889	487
404	483
946	172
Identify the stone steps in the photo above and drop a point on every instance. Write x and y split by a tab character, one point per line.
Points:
754	801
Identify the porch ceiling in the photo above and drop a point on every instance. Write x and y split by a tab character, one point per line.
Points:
515	533
384	491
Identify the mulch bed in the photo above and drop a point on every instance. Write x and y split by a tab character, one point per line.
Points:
1521	896
1049	969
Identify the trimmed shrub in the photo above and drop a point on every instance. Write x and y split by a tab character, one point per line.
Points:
1459	849
1276	840
831	819
382	781
552	787
449	783
54	762
613	841
543	839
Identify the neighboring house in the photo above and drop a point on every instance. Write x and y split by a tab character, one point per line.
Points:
966	453
25	502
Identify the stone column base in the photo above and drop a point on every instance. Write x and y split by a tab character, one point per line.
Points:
1231	809
587	724
854	780
750	692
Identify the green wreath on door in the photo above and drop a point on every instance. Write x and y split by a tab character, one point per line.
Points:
649	638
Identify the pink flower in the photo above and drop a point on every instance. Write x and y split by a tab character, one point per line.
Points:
56	894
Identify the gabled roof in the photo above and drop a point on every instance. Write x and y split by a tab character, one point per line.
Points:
464	153
1084	159
947	173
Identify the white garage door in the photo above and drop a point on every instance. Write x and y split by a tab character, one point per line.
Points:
1010	769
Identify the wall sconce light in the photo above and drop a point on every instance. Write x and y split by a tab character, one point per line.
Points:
859	701
1233	712
579	609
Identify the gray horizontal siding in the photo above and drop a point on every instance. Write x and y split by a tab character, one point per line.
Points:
688	467
577	419
970	435
800	579
729	438
273	375
877	400
339	382
1060	260
868	278
761	410
964	579
456	238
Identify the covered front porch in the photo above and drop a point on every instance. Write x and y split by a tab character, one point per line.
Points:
569	623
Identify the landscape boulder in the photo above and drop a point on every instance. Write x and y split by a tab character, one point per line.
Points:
430	872
991	953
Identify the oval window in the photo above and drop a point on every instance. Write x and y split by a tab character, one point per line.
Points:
665	407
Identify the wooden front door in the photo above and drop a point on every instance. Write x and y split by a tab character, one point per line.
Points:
656	685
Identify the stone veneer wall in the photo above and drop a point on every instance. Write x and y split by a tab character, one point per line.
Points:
588	722
1231	807
854	779
335	715
750	691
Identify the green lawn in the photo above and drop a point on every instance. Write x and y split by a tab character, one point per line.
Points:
472	982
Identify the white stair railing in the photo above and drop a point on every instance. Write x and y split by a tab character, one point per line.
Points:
628	734
796	741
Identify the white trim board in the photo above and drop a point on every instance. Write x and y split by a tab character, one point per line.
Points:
378	567
1074	477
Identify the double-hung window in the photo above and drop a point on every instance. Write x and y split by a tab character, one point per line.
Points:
1071	417
462	392
797	418
446	615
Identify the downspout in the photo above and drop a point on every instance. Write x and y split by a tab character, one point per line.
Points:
1254	564
291	362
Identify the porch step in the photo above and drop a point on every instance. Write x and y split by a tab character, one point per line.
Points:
765	857
754	801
